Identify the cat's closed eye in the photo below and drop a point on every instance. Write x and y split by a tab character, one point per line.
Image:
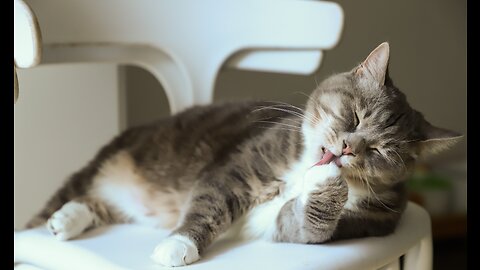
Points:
393	120
357	120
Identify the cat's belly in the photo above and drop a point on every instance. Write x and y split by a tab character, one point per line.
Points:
132	198
135	204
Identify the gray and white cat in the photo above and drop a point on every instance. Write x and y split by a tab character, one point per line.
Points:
334	170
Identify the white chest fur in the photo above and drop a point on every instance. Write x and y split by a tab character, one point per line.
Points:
127	201
261	221
129	195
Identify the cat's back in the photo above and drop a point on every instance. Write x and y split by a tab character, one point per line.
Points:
214	126
180	145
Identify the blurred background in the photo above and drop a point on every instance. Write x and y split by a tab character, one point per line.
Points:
427	62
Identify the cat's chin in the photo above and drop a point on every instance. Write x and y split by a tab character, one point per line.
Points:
338	162
345	161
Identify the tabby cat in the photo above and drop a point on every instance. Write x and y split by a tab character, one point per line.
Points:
333	170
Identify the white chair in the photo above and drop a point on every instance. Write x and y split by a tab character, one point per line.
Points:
27	41
129	247
184	43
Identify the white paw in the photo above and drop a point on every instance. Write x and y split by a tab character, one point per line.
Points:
176	250
316	176
321	173
70	221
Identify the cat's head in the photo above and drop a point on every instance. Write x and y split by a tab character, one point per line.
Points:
367	124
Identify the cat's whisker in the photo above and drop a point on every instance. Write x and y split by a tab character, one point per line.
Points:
287	104
304	117
372	191
394	161
279	104
364	181
299	123
309	98
302	110
296	125
264	158
300	114
400	157
278	128
293	127
280	109
278	123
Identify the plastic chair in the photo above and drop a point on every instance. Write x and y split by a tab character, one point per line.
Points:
184	43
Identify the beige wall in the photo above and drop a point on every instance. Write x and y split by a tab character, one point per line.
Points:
63	115
428	63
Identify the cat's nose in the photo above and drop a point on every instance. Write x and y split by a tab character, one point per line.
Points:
353	145
346	149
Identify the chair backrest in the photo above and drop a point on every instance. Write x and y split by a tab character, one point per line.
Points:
26	40
184	43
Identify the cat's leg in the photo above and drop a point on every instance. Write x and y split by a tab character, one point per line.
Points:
378	216
213	207
76	216
313	216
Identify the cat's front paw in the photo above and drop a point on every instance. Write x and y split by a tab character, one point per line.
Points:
70	221
320	174
176	250
317	176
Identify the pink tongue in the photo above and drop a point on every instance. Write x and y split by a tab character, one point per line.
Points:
327	158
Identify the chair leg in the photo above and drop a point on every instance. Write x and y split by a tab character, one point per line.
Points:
420	256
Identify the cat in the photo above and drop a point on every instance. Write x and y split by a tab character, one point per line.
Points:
334	170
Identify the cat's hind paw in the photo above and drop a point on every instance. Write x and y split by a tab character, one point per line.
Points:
70	221
176	250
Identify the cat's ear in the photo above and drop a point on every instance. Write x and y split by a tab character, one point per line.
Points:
435	139
374	68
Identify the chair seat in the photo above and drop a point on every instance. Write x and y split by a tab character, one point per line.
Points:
129	247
